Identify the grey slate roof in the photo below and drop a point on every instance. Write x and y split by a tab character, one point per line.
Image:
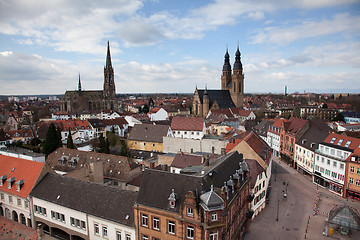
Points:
262	128
156	186
95	199
211	200
312	136
222	97
148	132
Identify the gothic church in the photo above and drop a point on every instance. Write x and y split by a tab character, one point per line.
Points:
231	93
93	101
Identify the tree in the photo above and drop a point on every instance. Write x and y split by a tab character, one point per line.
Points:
124	149
339	117
103	145
70	143
325	106
52	140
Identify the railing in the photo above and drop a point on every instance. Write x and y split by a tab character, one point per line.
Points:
329	155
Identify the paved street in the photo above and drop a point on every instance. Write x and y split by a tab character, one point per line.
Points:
294	213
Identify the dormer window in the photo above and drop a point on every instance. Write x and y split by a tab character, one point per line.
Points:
189	212
332	140
172	199
3	179
340	142
10	182
19	184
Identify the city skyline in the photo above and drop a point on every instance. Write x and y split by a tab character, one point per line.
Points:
169	47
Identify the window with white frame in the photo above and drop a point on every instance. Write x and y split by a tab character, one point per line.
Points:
351	180
96	229
19	202
214	217
358	170
144	220
105	231
145	237
357	182
352	169
171	227
118	235
213	236
190	211
341	166
334	164
190	232
26	204
127	236
40	210
10	199
156	223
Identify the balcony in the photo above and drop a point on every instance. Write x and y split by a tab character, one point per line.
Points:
330	156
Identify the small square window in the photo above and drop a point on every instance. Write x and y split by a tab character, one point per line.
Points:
190	212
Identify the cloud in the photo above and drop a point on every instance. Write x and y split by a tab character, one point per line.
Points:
307	29
256	15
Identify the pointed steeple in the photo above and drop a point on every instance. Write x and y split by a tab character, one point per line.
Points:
227	66
237	63
206	91
108	57
79	85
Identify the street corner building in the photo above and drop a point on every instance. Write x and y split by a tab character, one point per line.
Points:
207	202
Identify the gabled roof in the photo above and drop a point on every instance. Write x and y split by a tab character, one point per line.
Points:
149	132
96	123
311	139
187	123
255	170
259	146
294	125
278	122
117	121
222	97
110	203
20	169
184	160
263	127
225	112
241	112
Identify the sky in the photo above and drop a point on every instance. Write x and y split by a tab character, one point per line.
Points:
170	46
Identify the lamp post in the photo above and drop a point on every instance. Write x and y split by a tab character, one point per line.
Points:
277	212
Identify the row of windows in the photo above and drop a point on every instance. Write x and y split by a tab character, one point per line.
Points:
328	162
185	132
331	151
40	210
19	200
259	197
328	172
58	216
105	232
352	170
258	187
357	181
77	223
156	224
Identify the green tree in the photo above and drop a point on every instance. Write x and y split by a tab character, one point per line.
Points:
124	149
103	145
52	140
339	117
70	143
325	105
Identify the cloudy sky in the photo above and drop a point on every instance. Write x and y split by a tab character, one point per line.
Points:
172	46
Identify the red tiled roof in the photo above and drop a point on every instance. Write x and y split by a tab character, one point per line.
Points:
231	145
278	122
240	112
154	110
117	121
294	125
187	123
14	230
259	146
21	132
186	160
355	142
20	169
225	112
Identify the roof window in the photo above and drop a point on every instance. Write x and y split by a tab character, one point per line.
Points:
2	179
340	142
332	140
347	144
10	182
19	184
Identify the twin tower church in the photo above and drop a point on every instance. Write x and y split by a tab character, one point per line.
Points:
230	95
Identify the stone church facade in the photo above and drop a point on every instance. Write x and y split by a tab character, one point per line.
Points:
80	101
231	93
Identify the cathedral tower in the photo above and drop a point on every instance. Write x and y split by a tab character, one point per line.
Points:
109	84
226	73
237	88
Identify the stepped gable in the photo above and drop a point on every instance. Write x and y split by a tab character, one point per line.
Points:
92	198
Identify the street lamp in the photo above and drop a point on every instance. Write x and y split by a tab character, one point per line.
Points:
277	212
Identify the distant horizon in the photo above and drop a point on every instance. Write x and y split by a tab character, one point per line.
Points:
172	46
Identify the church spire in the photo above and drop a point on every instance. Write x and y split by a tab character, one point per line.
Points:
227	66
108	57
237	63
79	85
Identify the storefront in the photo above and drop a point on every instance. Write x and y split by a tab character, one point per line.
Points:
336	188
353	195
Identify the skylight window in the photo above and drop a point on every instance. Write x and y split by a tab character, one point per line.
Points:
340	142
347	143
332	140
